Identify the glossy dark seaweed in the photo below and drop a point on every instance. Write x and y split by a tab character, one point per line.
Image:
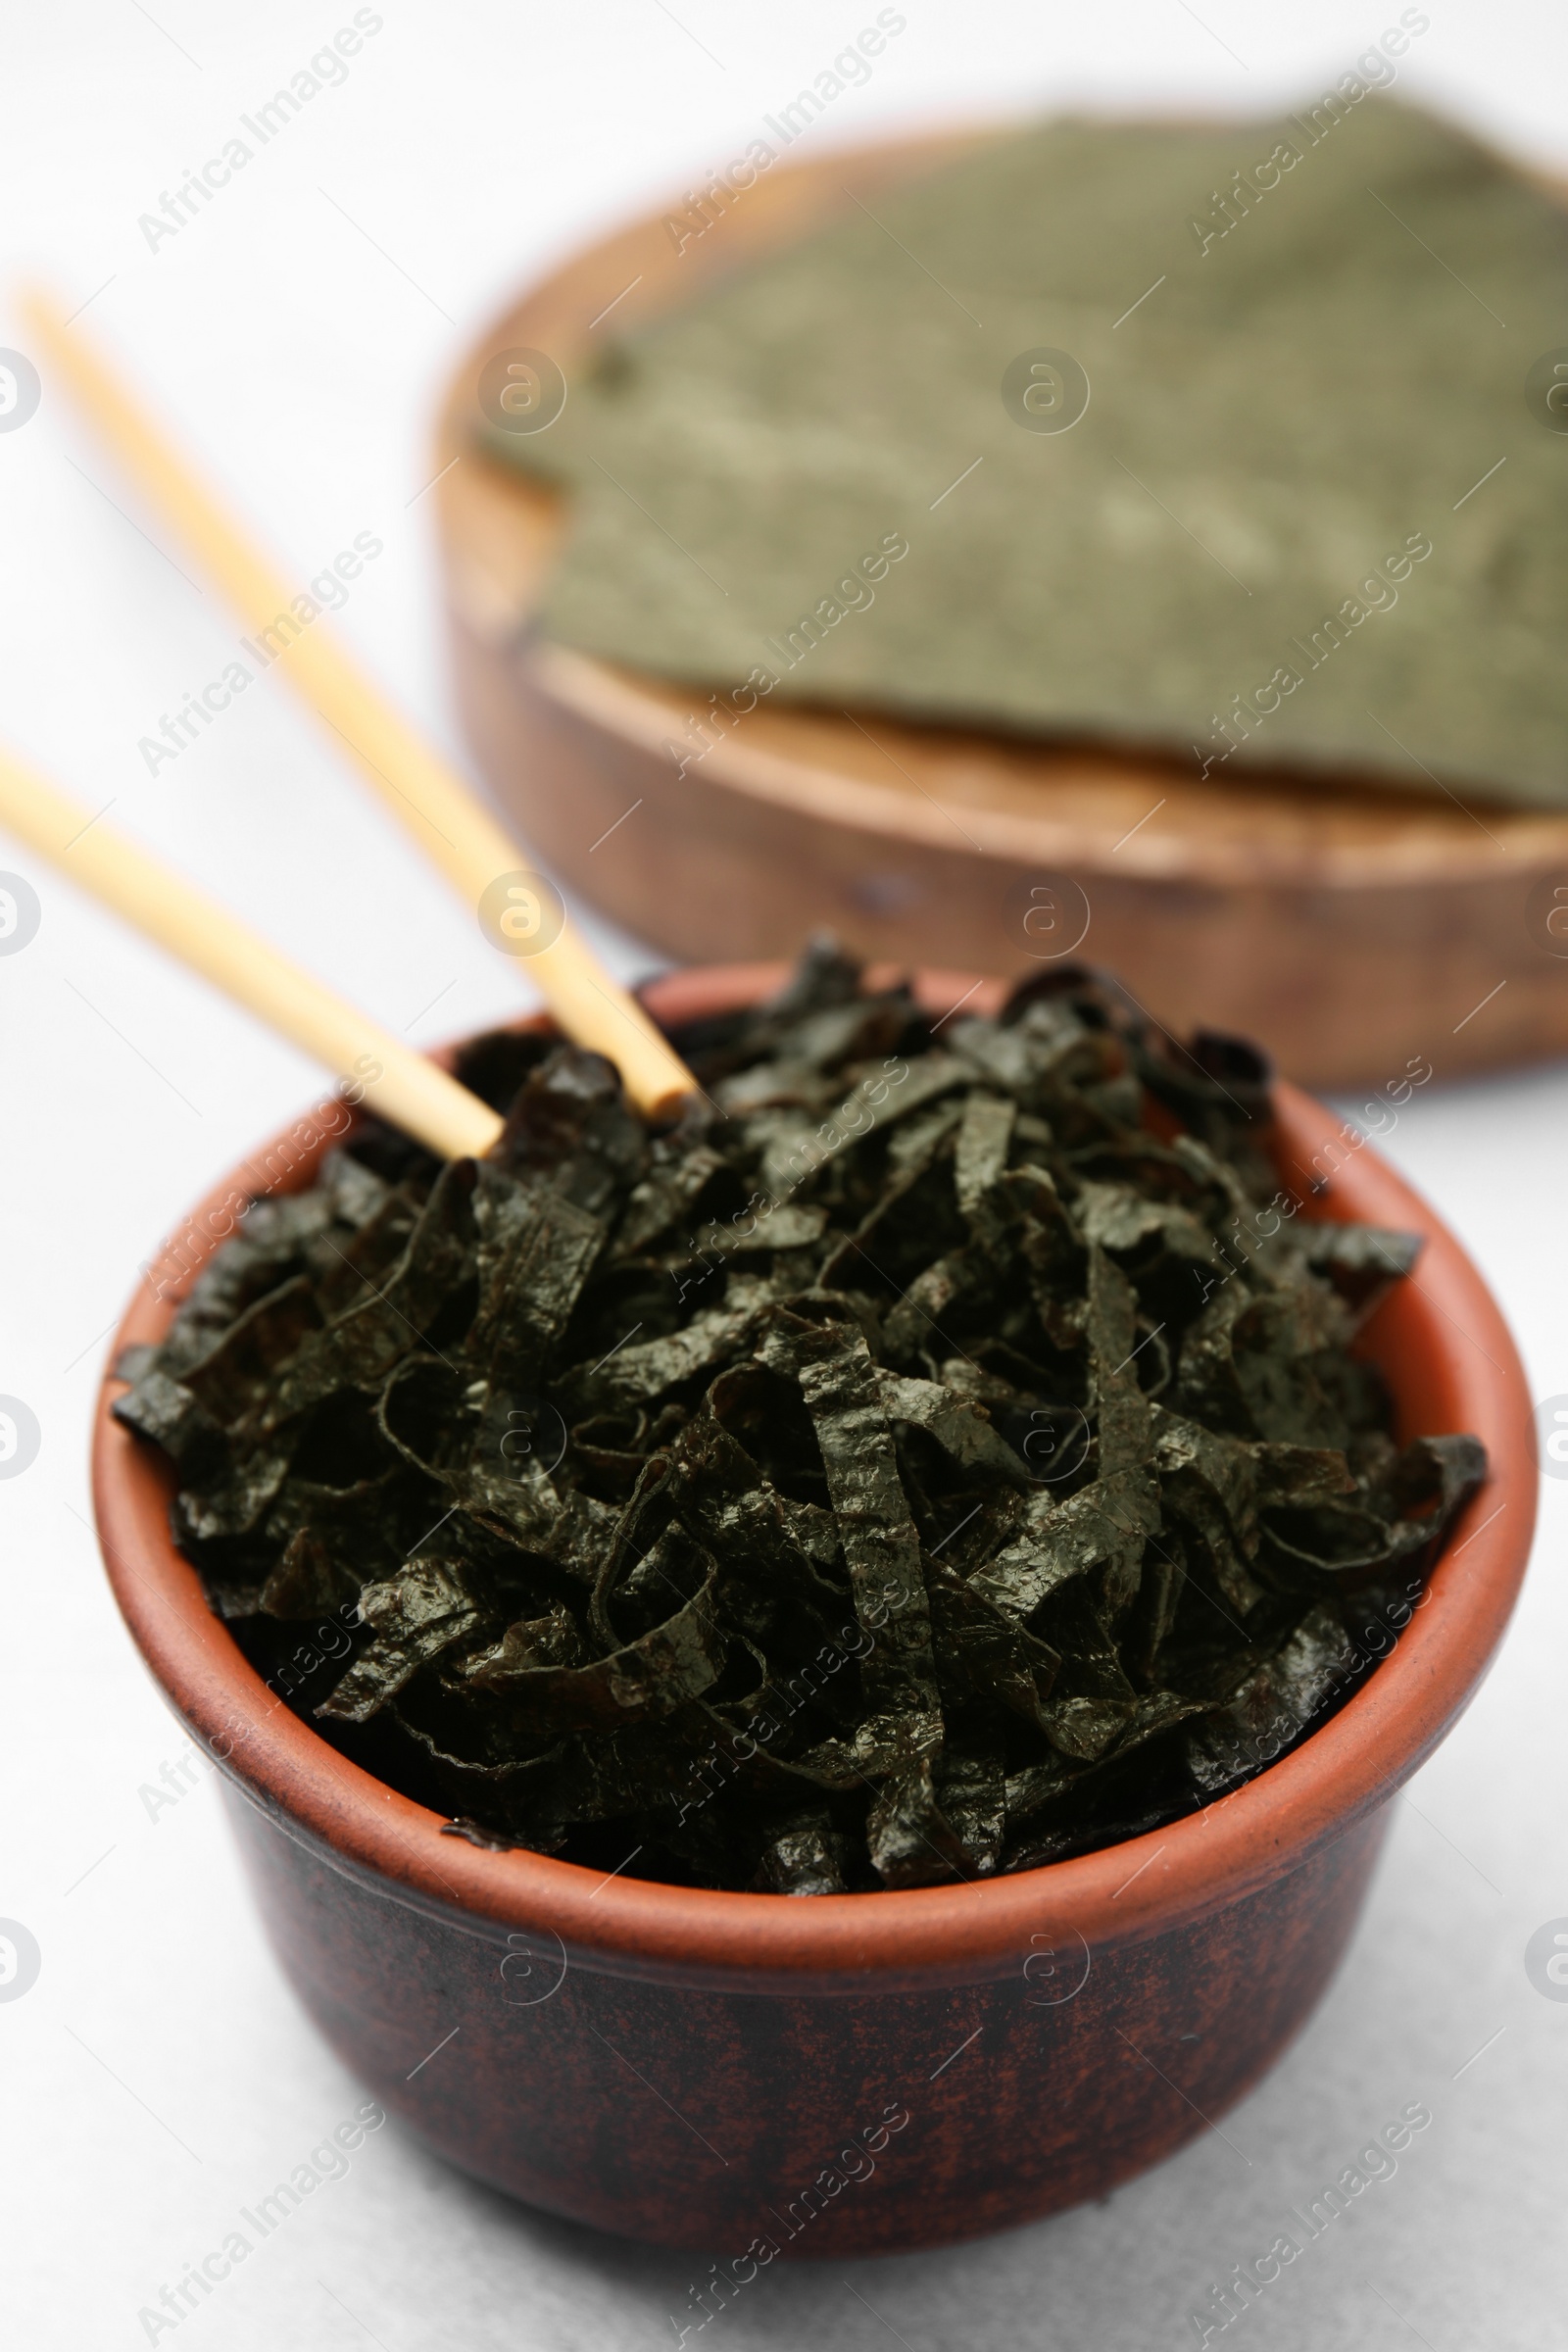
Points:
941	1454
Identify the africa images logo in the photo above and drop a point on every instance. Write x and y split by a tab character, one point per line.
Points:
19	1960
1546	1960
1551	1436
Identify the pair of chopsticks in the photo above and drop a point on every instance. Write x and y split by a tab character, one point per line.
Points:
449	823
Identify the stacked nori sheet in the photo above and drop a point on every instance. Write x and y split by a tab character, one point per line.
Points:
1308	342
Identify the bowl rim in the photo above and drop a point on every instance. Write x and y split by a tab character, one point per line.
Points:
1163	1880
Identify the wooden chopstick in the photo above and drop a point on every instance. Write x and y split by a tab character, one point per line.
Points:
399	1083
449	823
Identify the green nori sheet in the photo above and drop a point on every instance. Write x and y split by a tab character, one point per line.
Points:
941	1454
1312	516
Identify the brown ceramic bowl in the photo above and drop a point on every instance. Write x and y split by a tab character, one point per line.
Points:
849	2073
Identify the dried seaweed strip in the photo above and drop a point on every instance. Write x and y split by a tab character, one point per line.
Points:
881	1549
793	1225
1118	1217
728	1503
414	1620
562	1524
1431	1478
983	1653
961	1427
668	1196
1217	1485
1121	1409
389	1320
228	1380
675	1662
1363	1261
536	1249
633	1373
1060	1540
910	1839
570	1130
239	1498
507	1796
971	1787
1093	1701
159	1408
311	1580
344	1261
951	1290
980	1156
1274	1706
803	1856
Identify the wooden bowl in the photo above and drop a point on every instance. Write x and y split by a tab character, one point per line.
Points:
751	2076
1346	926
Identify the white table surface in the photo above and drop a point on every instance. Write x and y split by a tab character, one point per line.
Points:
158	2073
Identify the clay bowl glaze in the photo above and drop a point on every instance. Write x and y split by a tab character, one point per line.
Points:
748	2075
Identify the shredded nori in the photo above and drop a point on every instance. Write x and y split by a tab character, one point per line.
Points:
944	1453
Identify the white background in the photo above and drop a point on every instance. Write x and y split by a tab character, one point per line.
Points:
158	2073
